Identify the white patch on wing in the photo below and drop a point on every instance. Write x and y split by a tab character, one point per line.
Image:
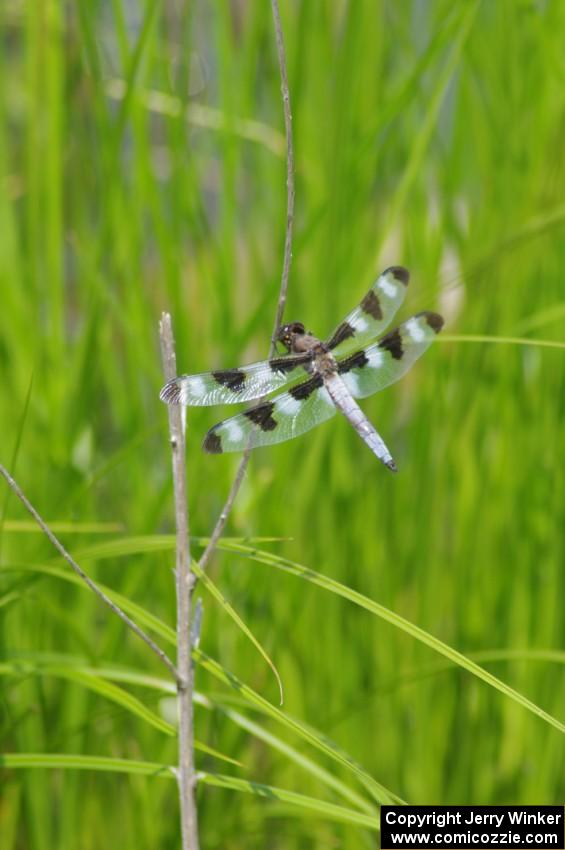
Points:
374	358
197	387
360	324
290	406
388	287
415	331
234	431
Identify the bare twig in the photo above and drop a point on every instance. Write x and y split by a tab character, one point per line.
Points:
185	581
88	581
223	517
289	171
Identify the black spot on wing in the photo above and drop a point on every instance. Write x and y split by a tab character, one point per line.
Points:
434	320
306	388
262	415
343	332
233	379
355	361
393	342
212	443
371	305
287	364
170	393
399	273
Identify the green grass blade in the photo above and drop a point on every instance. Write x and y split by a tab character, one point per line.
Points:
298	758
405	626
94	683
503	340
230	611
307	734
141	615
64	761
280	795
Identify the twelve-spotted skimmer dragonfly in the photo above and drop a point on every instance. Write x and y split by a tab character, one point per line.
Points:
326	375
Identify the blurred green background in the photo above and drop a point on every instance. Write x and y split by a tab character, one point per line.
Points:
142	168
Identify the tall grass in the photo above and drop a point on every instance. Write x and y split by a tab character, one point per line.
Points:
142	168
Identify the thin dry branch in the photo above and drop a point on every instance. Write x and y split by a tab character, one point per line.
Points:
289	172
86	579
185	581
240	474
226	510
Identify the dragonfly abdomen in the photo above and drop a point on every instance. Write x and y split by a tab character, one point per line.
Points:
347	405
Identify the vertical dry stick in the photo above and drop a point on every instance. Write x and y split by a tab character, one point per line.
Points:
222	519
185	581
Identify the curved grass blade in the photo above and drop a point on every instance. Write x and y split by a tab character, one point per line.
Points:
65	761
320	742
210	751
230	611
312	804
94	683
503	340
80	762
96	679
402	624
276	743
145	543
141	615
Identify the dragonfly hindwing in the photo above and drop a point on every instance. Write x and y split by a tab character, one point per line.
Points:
285	416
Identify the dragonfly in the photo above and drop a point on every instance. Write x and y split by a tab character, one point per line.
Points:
322	377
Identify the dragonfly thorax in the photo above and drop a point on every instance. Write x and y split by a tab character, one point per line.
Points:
296	339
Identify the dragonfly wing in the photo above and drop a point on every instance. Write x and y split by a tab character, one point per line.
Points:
230	386
286	416
374	312
375	367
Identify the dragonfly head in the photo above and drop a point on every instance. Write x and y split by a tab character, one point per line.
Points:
286	334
